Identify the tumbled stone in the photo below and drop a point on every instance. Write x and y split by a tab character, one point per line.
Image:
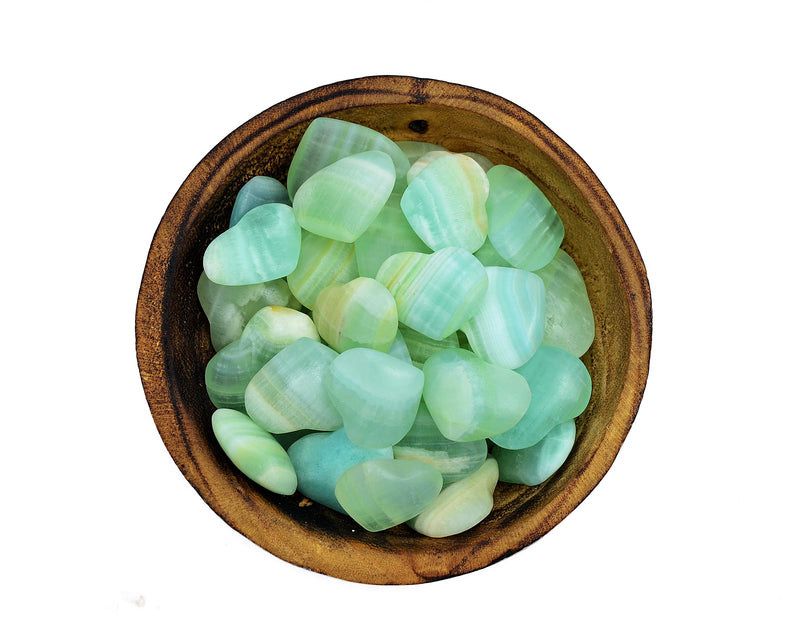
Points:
423	161
322	262
533	465
483	162
415	149
399	349
489	257
421	347
257	191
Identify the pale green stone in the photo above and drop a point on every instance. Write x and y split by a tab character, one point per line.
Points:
446	203
269	330
489	257
327	140
423	161
376	394
359	313
388	234
379	494
341	200
415	149
399	349
421	347
424	442
437	293
264	245
560	387
533	465
509	325
482	161
460	506
287	393
470	399
568	321
228	309
524	227
322	262
253	451
257	191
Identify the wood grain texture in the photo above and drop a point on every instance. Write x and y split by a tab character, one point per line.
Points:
173	345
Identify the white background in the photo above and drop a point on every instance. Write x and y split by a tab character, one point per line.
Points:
688	113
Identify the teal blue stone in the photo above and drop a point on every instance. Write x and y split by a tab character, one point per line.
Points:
320	459
257	191
421	347
533	465
560	390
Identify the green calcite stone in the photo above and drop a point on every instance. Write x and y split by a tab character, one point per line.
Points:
489	257
327	140
423	161
424	442
253	451
470	399
524	227
421	347
568	321
461	505
415	149
287	393
509	325
533	465
359	313
376	394
399	349
482	161
320	459
379	494
322	262
257	191
341	200
264	245
560	389
446	203
269	330
388	234
437	293
228	309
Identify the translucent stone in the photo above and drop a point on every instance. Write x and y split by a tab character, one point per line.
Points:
460	506
264	245
320	459
388	234
524	227
359	313
257	191
446	203
437	293
423	161
253	451
399	349
424	442
287	393
568	321
341	200
415	149
509	325
533	465
560	387
269	330
421	347
228	309
379	494
489	257
470	399
327	140
322	262
483	162
376	394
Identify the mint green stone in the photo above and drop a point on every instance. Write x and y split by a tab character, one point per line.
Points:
509	325
320	459
341	200
483	162
228	309
470	399
415	149
257	191
376	394
533	465
322	262
287	393
379	494
446	203
560	387
421	347
399	349
269	330
524	227
424	442
568	320
423	161
254	452
489	257
327	140
437	293
264	245
388	234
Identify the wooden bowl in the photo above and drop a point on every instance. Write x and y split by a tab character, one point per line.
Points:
173	346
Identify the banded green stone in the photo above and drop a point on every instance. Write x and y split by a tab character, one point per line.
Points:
483	162
423	161
257	191
533	465
322	262
421	347
489	257
415	149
